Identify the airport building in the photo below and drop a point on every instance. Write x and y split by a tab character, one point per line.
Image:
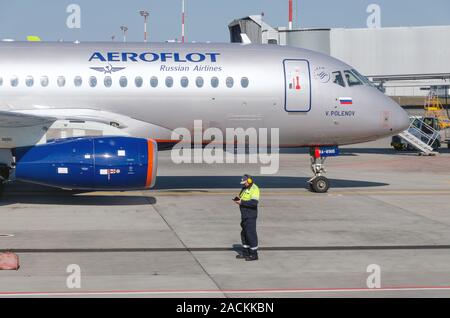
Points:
406	62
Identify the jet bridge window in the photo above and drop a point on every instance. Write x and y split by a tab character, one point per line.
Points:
352	80
29	81
61	81
338	79
77	81
14	81
107	81
44	81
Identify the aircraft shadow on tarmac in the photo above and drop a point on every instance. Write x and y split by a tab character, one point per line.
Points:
386	151
232	182
77	200
377	151
18	192
36	194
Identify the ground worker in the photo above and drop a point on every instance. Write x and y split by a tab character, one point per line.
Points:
248	203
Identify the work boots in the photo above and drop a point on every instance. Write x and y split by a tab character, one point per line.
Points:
253	256
245	254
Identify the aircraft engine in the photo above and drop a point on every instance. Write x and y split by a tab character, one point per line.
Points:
90	163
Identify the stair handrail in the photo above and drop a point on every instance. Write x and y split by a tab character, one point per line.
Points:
420	134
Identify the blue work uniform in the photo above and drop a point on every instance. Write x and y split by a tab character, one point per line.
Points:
249	213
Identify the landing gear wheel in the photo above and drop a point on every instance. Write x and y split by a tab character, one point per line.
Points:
319	184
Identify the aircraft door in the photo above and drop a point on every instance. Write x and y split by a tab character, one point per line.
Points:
297	78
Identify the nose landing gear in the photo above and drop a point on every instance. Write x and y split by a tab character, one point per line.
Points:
319	183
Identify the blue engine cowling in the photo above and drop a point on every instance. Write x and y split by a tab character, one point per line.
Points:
90	163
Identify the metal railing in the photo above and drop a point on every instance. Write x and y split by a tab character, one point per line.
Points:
417	128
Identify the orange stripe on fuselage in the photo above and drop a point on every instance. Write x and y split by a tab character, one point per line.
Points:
149	164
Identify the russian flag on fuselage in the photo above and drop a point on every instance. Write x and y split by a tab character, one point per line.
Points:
346	100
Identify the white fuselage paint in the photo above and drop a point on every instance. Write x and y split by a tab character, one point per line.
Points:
275	74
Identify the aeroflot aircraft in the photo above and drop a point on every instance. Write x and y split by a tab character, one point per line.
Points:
91	116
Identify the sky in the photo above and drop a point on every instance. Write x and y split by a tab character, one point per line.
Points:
206	20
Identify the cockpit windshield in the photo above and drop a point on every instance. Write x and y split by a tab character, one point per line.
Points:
338	79
352	79
363	78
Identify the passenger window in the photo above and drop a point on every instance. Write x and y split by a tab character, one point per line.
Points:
338	79
77	81
154	82
214	82
61	81
14	81
29	81
138	81
184	82
244	82
199	82
123	81
230	82
169	81
92	81
352	80
44	81
107	81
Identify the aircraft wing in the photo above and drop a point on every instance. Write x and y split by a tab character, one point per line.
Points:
31	127
14	120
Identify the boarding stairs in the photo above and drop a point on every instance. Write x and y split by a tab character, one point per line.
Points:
421	136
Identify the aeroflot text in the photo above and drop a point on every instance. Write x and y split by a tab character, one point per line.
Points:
154	57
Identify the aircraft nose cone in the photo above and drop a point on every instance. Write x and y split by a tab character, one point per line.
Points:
401	120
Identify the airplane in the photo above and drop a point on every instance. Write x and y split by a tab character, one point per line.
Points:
92	116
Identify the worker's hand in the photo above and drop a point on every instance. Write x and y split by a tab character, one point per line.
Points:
238	202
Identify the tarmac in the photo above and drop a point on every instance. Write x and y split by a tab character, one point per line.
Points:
386	210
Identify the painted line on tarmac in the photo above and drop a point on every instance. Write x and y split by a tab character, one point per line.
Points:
188	193
228	249
232	291
307	193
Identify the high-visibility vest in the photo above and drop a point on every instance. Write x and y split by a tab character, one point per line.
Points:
251	193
